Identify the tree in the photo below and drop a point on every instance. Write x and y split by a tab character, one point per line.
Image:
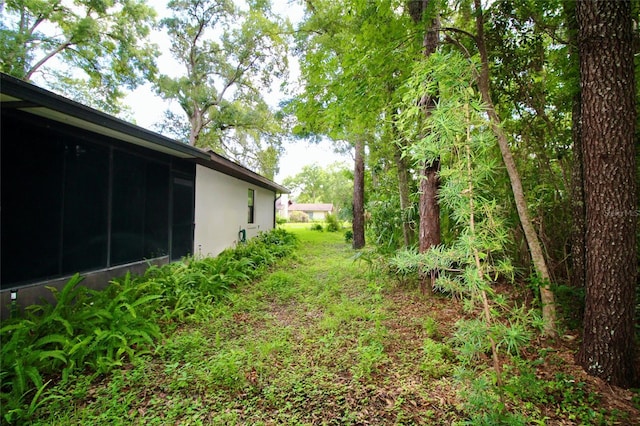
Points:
230	55
608	114
105	40
429	233
314	184
533	242
338	68
358	241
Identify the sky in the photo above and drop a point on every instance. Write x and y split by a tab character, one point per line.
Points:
148	108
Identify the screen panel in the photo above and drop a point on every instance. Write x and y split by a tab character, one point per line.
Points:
85	206
183	216
31	197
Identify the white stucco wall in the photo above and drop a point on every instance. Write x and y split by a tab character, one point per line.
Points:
221	211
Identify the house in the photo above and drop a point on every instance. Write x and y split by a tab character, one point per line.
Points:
315	211
83	191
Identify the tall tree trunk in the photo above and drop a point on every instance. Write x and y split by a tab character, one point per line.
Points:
608	124
578	231
535	249
358	195
429	233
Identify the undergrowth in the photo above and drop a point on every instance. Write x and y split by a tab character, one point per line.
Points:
94	332
323	339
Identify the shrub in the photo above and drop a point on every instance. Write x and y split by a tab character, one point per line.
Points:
317	227
348	236
333	225
297	216
281	220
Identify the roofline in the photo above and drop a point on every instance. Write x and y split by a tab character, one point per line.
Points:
218	162
39	101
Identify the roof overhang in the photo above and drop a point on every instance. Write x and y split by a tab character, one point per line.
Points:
23	96
224	165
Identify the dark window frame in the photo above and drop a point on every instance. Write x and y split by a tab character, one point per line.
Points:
251	205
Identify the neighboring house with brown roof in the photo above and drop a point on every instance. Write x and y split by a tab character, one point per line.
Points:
315	211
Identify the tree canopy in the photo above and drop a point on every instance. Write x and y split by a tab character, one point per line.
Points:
331	184
89	50
230	56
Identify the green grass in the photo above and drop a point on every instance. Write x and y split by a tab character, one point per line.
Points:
319	339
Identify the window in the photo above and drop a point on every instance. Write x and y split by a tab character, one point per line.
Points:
251	206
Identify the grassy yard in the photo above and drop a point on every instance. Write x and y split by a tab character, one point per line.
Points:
324	339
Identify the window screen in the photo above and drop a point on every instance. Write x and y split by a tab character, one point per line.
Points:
64	189
183	210
127	209
156	230
85	206
140	209
32	170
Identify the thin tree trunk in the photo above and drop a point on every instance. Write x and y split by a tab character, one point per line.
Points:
403	189
358	195
533	242
429	218
608	125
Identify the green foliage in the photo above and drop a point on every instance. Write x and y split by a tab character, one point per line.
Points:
333	224
437	360
98	331
348	236
228	55
84	329
385	226
104	42
430	326
370	356
317	227
298	217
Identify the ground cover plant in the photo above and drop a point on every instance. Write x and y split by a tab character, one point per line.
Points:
323	338
89	333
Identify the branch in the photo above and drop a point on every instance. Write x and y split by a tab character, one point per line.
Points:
458	30
457	43
238	73
48	56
